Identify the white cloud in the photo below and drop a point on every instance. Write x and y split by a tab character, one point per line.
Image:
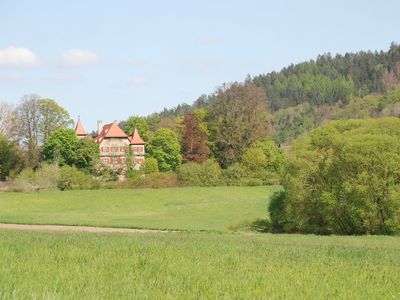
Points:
17	57
139	81
79	57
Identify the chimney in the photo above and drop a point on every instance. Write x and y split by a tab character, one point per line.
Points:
99	126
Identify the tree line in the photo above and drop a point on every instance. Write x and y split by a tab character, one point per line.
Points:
305	95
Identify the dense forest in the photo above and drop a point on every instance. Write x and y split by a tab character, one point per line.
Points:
303	96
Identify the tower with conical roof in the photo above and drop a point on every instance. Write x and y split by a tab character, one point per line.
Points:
80	130
137	146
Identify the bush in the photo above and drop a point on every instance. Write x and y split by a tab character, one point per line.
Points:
254	159
188	173
45	178
106	174
343	179
232	176
205	174
73	179
277	212
150	165
24	182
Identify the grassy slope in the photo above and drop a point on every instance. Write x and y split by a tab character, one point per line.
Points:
197	265
178	208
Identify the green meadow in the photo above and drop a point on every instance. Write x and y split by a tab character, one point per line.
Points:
204	259
212	209
197	265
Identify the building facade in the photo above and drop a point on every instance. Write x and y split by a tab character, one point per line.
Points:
116	147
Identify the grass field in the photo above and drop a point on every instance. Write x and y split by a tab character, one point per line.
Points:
182	265
205	261
214	209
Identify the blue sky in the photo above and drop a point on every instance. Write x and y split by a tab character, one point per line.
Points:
111	59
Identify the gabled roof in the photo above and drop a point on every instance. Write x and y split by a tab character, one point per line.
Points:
111	130
135	139
79	130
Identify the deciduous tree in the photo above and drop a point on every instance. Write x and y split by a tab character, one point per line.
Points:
10	159
165	148
238	118
194	139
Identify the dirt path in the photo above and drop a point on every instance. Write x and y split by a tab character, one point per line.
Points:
72	228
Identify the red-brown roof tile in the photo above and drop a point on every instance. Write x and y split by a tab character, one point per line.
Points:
135	139
111	130
79	130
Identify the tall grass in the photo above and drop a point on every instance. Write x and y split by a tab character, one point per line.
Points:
197	266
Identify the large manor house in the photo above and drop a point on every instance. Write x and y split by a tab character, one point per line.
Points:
115	144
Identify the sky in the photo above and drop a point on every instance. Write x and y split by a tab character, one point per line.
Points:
107	60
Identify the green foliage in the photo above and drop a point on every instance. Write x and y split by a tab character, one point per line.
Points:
150	165
10	159
205	174
254	159
61	147
141	124
232	176
44	178
345	179
105	173
53	117
64	148
165	148
263	163
155	180
277	213
329	80
73	179
87	154
289	123
276	158
238	117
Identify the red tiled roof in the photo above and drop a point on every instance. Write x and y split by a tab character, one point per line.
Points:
79	130
135	139
111	130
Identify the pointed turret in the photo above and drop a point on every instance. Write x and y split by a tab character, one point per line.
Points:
80	130
135	139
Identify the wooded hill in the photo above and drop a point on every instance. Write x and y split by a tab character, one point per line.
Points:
305	95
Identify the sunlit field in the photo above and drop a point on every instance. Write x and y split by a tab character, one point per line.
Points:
197	265
215	208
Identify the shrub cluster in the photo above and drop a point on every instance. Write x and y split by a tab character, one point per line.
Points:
204	174
52	177
343	179
152	180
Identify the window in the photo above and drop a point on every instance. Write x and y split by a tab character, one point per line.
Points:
139	160
138	149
